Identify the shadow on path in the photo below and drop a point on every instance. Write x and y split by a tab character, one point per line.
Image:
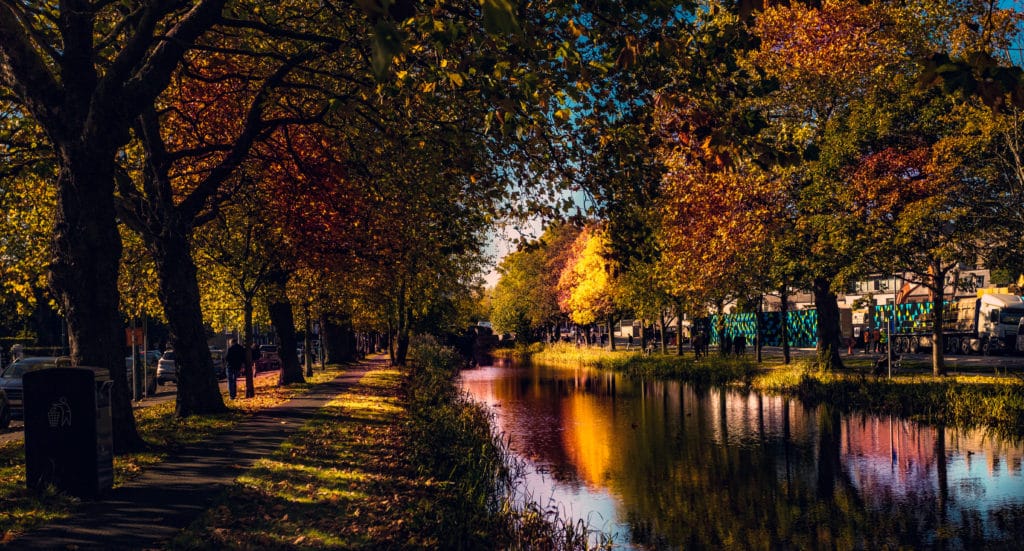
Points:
170	495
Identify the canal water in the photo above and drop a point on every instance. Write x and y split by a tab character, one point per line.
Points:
667	465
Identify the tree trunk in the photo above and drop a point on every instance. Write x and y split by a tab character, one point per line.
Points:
391	341
336	329
402	328
723	348
83	277
198	392
611	336
402	347
679	328
758	331
307	328
643	334
250	372
938	287
784	325
828	325
280	309
661	329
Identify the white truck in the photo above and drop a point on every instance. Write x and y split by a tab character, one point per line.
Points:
987	324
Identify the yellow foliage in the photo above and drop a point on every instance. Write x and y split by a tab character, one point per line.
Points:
588	285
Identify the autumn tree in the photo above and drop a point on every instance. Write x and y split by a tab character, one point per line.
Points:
888	147
589	290
824	58
83	71
928	187
719	207
525	299
237	249
513	309
917	201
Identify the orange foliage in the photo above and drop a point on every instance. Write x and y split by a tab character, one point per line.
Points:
717	211
840	46
203	113
587	286
887	183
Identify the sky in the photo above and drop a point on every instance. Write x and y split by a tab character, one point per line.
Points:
502	242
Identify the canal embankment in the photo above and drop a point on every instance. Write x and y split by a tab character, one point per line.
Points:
978	399
399	458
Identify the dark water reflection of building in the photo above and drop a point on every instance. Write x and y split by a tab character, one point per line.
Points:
669	465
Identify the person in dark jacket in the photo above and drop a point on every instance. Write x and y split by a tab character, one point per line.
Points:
235	360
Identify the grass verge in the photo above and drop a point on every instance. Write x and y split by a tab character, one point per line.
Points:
401	460
485	504
22	509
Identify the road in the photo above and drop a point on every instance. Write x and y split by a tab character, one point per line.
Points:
954	363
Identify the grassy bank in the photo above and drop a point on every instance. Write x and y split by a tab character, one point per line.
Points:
713	371
402	460
23	509
996	402
485	506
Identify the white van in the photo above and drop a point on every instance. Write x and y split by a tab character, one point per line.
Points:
1020	337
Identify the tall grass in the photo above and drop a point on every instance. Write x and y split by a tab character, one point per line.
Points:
485	504
712	369
969	402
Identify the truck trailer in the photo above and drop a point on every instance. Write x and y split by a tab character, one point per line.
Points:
987	324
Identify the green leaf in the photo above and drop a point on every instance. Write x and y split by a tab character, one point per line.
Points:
499	17
387	43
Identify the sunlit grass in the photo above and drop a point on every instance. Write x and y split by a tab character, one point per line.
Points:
341	481
397	461
305	483
712	369
24	509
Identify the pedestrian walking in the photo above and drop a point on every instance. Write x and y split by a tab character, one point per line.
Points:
876	336
739	344
235	360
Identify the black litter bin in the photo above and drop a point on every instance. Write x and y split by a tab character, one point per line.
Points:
68	437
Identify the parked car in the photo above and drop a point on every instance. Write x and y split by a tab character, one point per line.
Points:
166	371
269	359
219	370
5	410
10	379
151	357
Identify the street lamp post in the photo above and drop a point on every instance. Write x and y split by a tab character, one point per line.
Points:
892	321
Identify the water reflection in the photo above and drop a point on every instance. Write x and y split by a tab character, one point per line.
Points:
669	465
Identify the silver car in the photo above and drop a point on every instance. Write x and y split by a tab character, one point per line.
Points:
151	358
166	371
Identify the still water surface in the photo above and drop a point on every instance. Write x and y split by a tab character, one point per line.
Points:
666	465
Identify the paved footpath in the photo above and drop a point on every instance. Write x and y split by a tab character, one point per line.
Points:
169	496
